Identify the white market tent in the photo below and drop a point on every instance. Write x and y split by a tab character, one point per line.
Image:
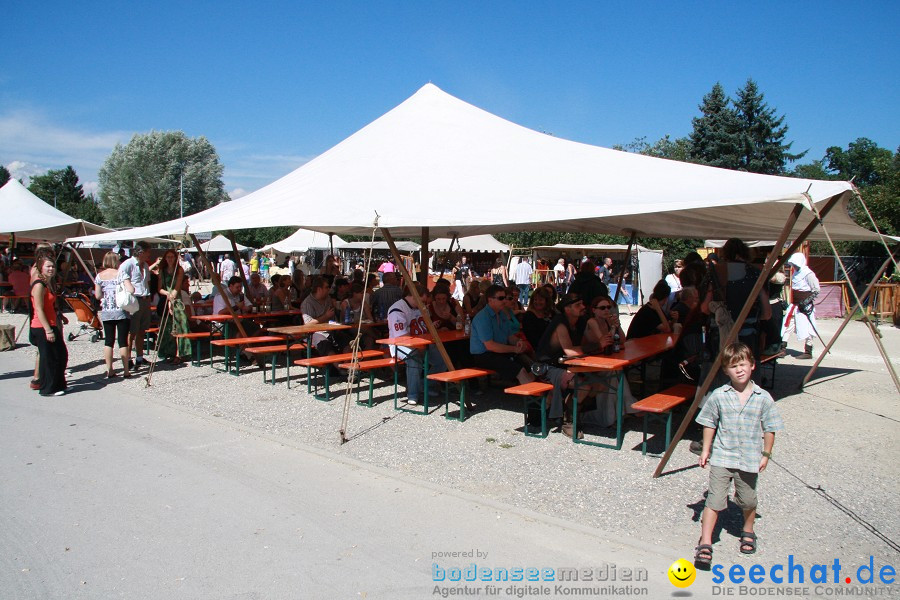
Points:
438	162
32	219
472	243
218	244
301	241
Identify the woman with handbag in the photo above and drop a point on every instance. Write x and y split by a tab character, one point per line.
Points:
115	320
46	330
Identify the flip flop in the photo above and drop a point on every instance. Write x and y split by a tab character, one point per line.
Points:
748	535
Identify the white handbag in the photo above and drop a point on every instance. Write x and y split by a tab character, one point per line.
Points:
125	300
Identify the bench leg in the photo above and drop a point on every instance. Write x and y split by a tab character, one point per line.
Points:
644	442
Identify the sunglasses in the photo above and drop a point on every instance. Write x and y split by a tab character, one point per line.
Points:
604	307
499	298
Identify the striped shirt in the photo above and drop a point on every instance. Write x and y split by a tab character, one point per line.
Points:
739	429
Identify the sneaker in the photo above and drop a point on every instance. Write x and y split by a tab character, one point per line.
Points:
567	431
412	401
130	365
60	393
696	447
140	361
35	384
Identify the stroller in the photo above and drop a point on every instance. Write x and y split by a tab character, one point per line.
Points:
87	316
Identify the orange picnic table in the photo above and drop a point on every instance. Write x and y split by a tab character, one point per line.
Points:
632	353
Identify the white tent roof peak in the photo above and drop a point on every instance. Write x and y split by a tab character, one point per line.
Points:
29	217
436	161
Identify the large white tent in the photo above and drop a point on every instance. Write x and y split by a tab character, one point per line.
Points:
438	162
30	218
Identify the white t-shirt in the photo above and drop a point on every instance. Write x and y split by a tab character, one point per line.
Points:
404	319
227	270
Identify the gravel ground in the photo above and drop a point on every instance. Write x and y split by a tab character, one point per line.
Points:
829	491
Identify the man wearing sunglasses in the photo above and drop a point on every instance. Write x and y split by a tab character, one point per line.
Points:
493	344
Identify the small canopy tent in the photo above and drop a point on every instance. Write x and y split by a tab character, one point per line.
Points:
402	246
472	243
32	219
303	240
218	244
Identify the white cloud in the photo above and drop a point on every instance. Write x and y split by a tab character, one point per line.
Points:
237	193
24	170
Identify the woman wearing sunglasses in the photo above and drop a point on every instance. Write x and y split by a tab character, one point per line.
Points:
602	325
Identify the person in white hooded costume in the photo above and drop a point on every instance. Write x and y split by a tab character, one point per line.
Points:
805	286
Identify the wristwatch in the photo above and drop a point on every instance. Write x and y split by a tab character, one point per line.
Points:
767	454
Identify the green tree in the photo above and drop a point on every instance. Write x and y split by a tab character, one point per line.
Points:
863	161
665	147
761	133
140	182
4	175
715	138
61	189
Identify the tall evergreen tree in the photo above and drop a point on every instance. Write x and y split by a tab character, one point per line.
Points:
762	133
4	175
715	139
61	189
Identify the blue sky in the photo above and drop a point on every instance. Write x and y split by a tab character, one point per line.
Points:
273	84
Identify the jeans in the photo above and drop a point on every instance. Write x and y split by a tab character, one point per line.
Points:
524	292
414	368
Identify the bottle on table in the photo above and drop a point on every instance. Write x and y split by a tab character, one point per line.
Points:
617	345
468	327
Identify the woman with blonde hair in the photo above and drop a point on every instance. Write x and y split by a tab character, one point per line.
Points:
46	331
115	320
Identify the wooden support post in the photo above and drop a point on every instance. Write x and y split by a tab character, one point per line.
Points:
752	298
412	288
423	258
237	259
624	268
214	278
847	319
81	261
872	329
802	237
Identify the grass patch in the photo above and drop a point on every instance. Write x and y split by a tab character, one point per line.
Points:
490	440
506	445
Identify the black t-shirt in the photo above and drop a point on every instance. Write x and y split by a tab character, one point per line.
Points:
645	322
533	327
547	350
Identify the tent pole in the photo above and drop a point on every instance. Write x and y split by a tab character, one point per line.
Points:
625	266
214	278
423	258
81	260
846	320
449	253
412	288
237	258
872	329
331	244
752	298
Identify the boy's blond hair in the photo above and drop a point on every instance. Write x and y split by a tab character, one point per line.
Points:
735	353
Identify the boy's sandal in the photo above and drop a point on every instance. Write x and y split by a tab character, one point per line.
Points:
703	556
748	547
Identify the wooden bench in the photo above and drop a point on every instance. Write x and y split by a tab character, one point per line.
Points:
370	366
196	338
660	404
264	351
236	343
460	377
324	362
534	394
771	361
152	331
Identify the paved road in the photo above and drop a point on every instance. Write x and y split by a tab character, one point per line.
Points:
116	496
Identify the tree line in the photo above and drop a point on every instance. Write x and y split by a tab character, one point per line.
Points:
156	175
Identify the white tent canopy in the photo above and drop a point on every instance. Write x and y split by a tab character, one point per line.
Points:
583	249
220	243
30	218
301	241
472	243
436	161
402	246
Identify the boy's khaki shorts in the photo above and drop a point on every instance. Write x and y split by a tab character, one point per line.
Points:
720	482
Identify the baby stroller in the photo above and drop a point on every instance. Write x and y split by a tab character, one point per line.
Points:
86	315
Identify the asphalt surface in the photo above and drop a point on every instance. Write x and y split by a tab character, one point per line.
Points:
111	495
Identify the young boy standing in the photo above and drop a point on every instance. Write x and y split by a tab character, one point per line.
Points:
743	419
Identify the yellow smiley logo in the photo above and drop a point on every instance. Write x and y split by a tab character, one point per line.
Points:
682	573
